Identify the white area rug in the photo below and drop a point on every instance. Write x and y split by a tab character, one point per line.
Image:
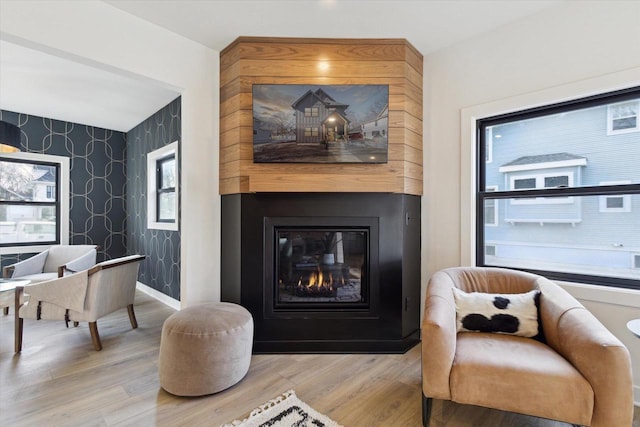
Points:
285	410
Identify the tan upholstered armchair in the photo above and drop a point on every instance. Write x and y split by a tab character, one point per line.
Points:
53	262
84	296
580	374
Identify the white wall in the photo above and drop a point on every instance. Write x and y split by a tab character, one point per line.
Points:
568	51
99	35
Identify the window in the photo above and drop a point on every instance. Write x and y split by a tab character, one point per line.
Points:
311	112
34	201
166	189
615	203
311	132
491	209
163	188
542	181
488	148
623	117
569	192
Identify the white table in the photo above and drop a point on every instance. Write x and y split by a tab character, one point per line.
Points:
634	327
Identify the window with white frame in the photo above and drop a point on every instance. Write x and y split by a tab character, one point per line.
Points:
34	201
488	149
540	181
563	180
623	117
163	188
615	203
491	209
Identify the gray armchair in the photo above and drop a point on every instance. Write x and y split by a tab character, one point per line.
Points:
84	296
53	262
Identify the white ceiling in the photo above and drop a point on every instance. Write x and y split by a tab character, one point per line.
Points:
37	83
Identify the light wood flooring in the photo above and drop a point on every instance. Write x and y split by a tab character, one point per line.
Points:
59	380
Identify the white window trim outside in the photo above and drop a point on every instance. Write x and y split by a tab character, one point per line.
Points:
489	147
495	208
539	177
610	130
470	115
65	184
152	159
626	199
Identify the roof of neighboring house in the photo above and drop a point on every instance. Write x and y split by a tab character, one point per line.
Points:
544	158
46	176
322	97
384	112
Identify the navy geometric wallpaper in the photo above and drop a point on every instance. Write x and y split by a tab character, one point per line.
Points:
161	269
98	178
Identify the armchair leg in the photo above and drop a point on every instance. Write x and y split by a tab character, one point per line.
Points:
19	326
132	316
19	322
426	410
93	327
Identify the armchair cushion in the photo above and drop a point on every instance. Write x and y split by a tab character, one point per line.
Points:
492	370
515	314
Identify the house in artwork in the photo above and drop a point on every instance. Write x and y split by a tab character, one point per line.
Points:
320	118
377	128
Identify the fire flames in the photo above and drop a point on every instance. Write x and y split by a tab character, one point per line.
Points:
318	284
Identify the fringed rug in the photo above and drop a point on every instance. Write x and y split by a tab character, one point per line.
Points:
285	410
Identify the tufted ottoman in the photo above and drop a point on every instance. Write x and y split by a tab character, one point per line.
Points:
205	348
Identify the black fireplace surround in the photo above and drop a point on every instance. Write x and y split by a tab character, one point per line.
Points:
373	302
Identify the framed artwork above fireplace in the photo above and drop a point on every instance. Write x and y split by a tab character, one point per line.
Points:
320	123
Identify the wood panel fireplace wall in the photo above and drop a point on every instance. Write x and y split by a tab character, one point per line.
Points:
383	198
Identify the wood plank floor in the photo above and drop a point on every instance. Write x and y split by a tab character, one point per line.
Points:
59	380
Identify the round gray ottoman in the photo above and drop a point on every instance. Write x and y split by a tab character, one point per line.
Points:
205	348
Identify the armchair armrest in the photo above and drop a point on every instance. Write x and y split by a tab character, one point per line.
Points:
115	263
580	338
29	266
83	262
67	292
585	340
438	337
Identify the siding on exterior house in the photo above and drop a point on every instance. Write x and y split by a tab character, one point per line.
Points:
377	127
537	229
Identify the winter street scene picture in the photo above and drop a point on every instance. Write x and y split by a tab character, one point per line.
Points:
320	123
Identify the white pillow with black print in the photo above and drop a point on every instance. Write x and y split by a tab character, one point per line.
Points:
513	314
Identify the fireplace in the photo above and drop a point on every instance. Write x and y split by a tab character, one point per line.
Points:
320	267
324	272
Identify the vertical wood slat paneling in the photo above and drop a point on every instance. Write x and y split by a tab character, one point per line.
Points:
255	60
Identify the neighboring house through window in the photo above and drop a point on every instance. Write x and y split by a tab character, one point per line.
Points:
623	117
34	201
570	188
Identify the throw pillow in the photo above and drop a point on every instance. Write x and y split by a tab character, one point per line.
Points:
514	314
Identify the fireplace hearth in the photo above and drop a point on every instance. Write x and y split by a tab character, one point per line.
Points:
324	272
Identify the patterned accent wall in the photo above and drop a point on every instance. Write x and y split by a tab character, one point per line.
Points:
98	181
161	269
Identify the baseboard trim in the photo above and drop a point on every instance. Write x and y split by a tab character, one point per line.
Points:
165	299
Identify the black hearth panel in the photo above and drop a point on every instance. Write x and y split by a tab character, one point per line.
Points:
324	272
